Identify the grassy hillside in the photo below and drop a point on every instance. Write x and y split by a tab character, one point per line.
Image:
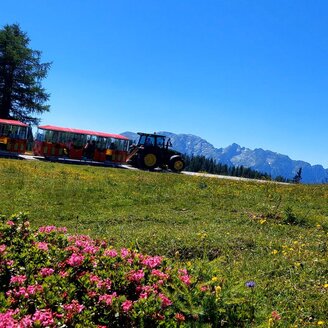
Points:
275	235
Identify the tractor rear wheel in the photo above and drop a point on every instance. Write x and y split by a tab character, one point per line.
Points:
148	161
176	163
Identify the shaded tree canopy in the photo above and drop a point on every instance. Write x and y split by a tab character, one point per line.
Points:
22	96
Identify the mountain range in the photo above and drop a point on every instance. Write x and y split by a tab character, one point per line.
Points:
258	159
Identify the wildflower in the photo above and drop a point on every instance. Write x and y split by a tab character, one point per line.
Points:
125	252
274	252
250	284
320	323
275	316
46	272
42	246
214	279
44	317
152	262
165	300
325	286
107	298
110	252
159	274
73	308
26	321
217	290
262	221
17	280
136	276
33	289
180	317
47	229
75	260
185	279
127	305
2	248
10	223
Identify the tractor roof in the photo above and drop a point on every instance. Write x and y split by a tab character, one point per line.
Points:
151	134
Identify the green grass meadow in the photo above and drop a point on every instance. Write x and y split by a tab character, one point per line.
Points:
273	234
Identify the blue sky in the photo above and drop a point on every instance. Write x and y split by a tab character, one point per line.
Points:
250	72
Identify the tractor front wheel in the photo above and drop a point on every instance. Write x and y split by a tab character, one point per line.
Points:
176	163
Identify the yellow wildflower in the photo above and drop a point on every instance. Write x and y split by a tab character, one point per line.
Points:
262	221
325	286
274	252
320	323
215	279
217	290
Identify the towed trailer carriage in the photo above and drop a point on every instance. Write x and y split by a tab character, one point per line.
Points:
55	142
13	136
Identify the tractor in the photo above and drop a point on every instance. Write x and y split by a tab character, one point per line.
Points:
153	151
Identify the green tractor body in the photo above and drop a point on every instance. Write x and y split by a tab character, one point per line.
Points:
152	151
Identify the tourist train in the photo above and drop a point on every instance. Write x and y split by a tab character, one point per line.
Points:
54	142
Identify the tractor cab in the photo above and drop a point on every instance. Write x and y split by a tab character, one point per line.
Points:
153	150
153	140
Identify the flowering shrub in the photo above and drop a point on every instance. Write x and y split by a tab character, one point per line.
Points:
52	279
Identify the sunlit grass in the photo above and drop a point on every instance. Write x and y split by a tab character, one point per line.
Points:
275	235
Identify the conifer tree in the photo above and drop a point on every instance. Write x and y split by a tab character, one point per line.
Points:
21	72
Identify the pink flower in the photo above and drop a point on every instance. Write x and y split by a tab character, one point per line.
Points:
2	248
180	317
63	274
25	322
275	315
10	223
17	280
46	272
33	289
110	252
107	298
47	229
44	317
75	260
159	274
7	320
165	300
152	262
89	249
136	276
42	246
125	252
127	306
73	308
185	279
10	263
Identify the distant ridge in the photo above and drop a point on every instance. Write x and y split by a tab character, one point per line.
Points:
258	159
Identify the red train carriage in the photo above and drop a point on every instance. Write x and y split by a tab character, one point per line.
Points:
13	136
54	141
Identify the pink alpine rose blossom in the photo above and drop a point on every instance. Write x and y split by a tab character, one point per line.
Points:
107	298
152	262
165	300
127	305
42	246
75	260
110	252
44	317
46	272
18	280
2	248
